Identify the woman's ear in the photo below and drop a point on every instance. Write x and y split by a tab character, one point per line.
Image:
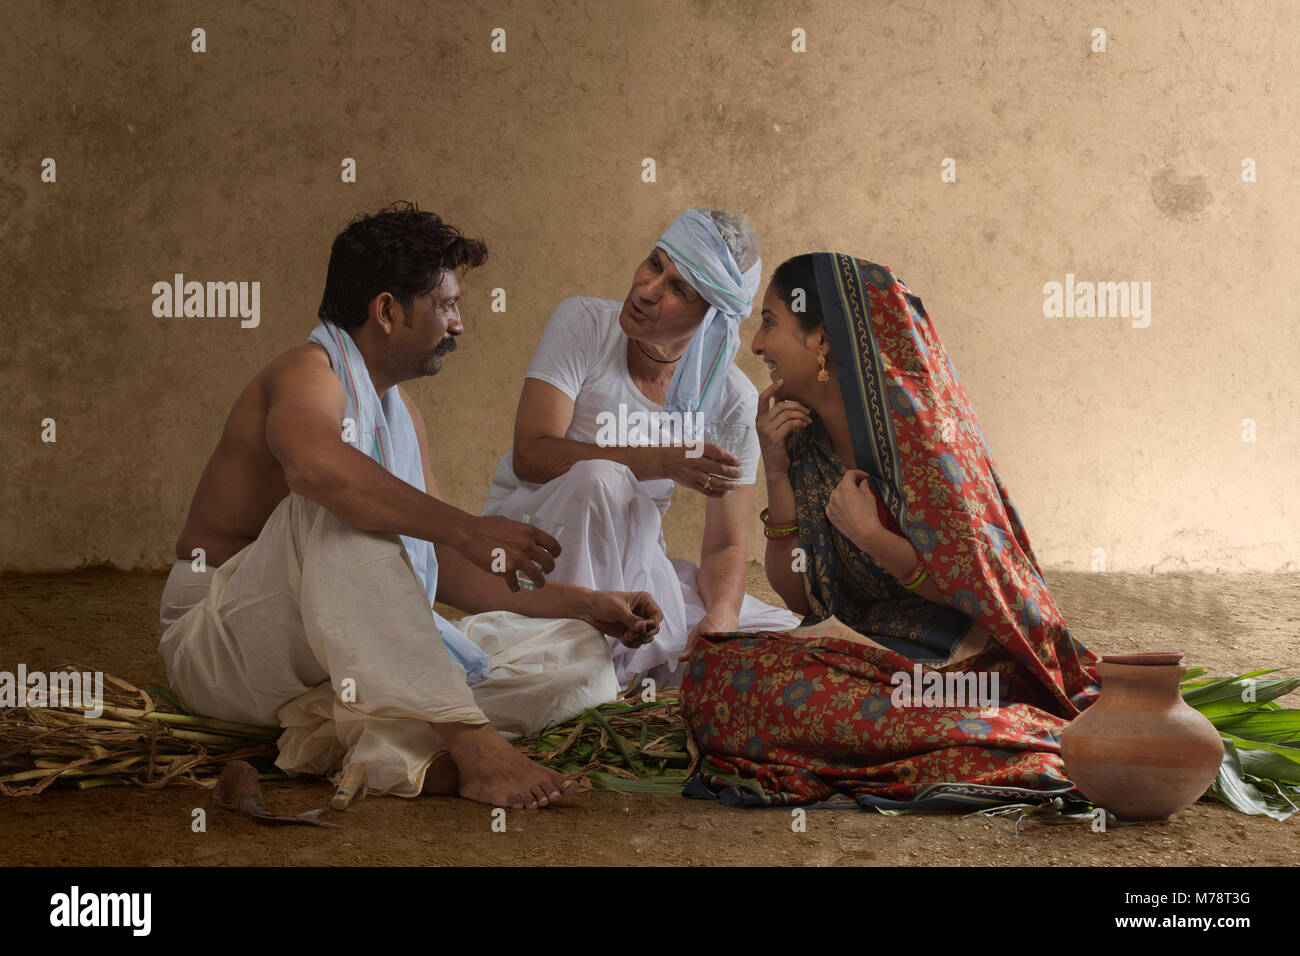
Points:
817	341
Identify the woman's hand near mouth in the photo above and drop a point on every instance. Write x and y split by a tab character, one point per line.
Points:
775	421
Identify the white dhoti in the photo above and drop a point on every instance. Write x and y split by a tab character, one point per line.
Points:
326	631
613	541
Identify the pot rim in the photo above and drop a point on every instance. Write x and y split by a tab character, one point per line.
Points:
1145	658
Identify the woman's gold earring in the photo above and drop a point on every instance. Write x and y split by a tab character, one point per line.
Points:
822	374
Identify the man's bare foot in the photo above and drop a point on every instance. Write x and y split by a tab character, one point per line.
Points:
442	776
491	771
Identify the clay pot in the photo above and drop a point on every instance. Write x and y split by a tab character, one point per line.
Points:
1140	751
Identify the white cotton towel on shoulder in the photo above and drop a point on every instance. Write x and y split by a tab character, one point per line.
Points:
385	432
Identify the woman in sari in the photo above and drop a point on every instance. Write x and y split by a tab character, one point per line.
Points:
891	531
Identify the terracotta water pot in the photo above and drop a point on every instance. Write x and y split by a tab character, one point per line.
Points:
1140	751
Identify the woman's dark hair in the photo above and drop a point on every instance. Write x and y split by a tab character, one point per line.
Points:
797	273
399	250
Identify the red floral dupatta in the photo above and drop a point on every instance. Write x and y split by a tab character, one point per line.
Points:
915	435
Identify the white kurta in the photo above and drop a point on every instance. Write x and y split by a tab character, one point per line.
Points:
613	538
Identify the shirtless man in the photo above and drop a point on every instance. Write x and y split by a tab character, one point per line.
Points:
282	439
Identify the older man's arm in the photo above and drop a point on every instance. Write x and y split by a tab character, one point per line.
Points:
541	452
723	558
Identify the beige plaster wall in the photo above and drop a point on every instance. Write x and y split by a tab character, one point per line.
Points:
225	165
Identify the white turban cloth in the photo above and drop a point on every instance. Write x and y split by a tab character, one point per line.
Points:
703	259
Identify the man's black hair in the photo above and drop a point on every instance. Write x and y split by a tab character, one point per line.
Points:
399	250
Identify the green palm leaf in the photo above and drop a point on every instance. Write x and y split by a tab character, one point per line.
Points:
1268	764
1227	702
1226	689
1279	727
1244	793
1260	772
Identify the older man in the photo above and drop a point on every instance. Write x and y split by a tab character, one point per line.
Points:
610	385
317	541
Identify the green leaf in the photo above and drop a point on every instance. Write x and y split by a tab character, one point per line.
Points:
1291	753
663	784
1225	689
624	748
166	694
1239	793
1280	727
1278	794
678	755
744	783
1265	693
1268	764
1227	710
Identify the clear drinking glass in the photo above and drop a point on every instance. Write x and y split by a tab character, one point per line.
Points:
729	436
551	528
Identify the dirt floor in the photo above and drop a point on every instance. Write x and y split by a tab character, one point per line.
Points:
107	620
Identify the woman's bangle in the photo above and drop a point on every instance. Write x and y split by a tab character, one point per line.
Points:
777	529
917	577
776	535
774	531
776	525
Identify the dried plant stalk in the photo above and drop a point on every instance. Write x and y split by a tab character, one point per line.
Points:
138	740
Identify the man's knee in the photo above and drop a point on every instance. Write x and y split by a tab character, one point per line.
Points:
599	478
312	519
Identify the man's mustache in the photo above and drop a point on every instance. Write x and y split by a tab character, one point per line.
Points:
448	344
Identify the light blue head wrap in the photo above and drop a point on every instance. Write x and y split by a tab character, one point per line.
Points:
703	259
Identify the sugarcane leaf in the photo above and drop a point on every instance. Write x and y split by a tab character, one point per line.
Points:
166	694
1277	793
1227	712
1280	727
744	783
1190	677
673	755
1230	678
1225	688
1269	764
660	784
1264	694
1231	787
624	748
662	702
1290	753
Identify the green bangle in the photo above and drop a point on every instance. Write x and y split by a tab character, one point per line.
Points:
763	517
915	580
